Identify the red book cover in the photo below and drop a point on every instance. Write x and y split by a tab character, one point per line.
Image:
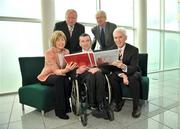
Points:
81	59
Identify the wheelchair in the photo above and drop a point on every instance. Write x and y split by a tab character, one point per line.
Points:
79	101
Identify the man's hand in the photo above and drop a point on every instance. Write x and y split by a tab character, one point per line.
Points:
93	70
118	64
125	78
81	69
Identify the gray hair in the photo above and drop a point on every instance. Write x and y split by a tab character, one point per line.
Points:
121	30
101	12
70	11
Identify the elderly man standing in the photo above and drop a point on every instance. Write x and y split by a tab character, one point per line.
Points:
103	32
72	30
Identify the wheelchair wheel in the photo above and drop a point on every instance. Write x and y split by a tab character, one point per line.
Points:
75	98
110	113
109	89
84	119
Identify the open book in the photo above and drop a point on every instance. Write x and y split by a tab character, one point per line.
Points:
107	56
81	59
92	59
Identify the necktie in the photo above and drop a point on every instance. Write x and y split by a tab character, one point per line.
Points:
70	30
120	54
102	38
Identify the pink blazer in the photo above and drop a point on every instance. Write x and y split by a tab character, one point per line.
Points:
52	63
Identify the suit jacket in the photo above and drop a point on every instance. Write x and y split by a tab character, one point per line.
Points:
109	41
73	41
52	63
131	59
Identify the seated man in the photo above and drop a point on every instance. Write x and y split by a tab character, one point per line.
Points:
126	72
94	80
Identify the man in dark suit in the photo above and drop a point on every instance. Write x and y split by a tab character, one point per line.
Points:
127	72
103	32
94	79
71	29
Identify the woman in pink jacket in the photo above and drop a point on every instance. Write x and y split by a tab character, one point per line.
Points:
54	73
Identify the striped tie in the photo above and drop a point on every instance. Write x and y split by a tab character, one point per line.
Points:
70	30
120	54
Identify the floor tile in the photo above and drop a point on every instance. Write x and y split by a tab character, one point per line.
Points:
148	124
51	121
150	110
169	119
161	111
3	126
164	102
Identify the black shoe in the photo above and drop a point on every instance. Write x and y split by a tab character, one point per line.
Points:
119	106
63	116
136	112
100	113
68	110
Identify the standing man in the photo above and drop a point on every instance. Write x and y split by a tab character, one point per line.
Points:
72	30
127	72
103	32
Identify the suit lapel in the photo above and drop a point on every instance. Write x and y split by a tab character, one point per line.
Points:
67	31
125	54
106	32
98	33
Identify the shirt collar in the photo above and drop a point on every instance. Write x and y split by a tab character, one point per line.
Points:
90	50
122	49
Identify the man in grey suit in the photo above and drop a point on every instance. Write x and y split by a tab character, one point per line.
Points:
103	32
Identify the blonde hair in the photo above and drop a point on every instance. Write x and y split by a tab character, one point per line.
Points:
55	36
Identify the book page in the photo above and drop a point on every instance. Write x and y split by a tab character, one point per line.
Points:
82	59
107	56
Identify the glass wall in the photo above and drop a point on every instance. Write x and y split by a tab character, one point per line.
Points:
153	19
18	39
153	45
171	11
171	50
20	8
119	11
163	36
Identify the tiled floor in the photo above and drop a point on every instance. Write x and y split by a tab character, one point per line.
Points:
162	111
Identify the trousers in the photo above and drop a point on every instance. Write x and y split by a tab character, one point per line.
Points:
63	88
95	86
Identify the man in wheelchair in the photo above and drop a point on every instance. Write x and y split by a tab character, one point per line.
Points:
95	82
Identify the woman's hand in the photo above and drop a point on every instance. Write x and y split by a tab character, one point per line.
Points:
71	66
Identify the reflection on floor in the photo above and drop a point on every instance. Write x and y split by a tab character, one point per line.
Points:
162	111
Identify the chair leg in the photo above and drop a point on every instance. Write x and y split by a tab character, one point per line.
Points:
42	112
23	109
